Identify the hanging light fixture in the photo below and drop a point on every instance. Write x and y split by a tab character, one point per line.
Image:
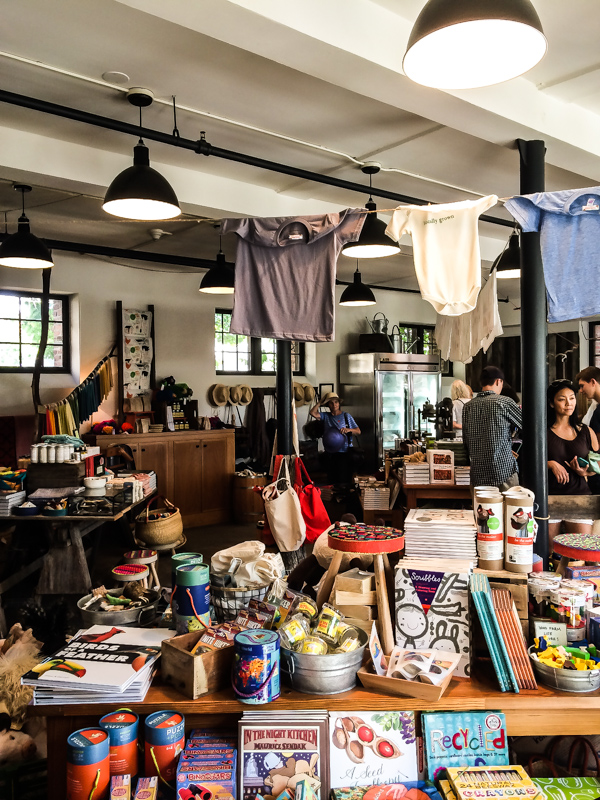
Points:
357	293
24	250
508	263
140	192
372	242
219	279
473	43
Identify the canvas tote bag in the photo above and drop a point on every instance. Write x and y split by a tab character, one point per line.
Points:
283	511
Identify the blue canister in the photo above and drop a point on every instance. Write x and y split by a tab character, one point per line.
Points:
177	559
122	729
88	764
164	741
191	602
256	666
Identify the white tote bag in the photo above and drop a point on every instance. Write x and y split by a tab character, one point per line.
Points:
283	511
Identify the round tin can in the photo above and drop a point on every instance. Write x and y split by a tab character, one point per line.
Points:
177	559
122	729
88	764
256	666
164	741
327	623
191	602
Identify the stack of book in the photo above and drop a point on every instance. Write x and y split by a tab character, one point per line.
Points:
148	481
441	466
354	595
458	448
415	473
376	497
9	501
462	476
99	665
440	533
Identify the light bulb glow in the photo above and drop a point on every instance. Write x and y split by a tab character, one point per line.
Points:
140	208
216	290
357	302
25	263
501	274
473	54
371	250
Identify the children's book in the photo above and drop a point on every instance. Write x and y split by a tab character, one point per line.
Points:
276	752
372	748
102	658
463	739
503	782
409	790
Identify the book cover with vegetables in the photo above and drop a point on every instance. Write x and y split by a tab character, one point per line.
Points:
370	748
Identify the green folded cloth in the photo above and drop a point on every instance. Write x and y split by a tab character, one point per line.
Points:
62	438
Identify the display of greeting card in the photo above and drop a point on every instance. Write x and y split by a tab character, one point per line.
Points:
463	739
372	748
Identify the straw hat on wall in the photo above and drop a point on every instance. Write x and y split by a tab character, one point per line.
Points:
246	394
218	394
298	394
235	395
309	392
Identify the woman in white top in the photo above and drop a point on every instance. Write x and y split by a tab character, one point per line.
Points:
460	394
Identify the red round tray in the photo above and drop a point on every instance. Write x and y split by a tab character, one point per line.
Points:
366	539
580	546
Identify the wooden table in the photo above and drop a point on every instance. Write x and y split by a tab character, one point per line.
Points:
434	491
541	712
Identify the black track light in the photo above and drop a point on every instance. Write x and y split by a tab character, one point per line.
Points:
372	242
357	294
508	263
23	250
219	279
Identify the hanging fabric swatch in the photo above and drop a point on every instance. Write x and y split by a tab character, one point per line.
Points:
66	417
461	338
569	226
285	274
445	251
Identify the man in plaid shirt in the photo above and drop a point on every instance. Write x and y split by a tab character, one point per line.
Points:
488	422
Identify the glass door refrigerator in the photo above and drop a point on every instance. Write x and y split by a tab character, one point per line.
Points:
384	392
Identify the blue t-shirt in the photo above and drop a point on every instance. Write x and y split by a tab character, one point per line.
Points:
338	421
569	226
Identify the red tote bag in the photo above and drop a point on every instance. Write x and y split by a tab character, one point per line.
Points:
311	505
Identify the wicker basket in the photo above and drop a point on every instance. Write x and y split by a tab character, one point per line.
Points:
166	530
227	601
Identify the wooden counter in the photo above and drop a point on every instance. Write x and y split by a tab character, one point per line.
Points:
531	713
194	469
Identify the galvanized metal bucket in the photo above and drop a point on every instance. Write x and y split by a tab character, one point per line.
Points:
134	616
566	680
330	674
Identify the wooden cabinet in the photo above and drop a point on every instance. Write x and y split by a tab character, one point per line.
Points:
194	469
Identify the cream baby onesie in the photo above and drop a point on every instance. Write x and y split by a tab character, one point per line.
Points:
445	251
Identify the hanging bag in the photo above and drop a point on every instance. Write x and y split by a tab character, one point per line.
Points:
314	513
283	511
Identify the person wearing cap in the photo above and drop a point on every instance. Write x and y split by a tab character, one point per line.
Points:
338	427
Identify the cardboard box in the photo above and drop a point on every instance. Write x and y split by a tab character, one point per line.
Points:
354	598
365	613
355	580
196	675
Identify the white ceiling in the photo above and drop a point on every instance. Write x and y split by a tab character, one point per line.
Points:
328	74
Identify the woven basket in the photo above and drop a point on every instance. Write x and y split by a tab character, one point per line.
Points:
226	601
166	530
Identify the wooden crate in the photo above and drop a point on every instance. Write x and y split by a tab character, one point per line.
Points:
194	676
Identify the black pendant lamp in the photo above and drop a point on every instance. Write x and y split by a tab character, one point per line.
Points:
372	242
219	279
140	192
357	293
508	263
23	250
473	43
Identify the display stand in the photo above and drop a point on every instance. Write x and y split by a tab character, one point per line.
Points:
150	379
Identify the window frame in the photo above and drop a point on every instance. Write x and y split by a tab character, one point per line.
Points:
255	355
419	328
66	342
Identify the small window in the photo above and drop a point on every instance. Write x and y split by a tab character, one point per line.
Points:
21	328
418	339
235	353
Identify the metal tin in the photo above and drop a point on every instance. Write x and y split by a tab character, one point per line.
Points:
330	674
43	454
88	764
256	666
567	680
51	453
164	741
122	729
177	559
191	601
34	453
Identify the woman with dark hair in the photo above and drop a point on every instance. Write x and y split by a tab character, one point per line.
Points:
568	440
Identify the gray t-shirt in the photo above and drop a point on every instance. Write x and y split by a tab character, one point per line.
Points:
285	274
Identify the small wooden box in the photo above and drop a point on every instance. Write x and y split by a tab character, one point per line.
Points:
355	580
401	688
54	476
194	676
365	613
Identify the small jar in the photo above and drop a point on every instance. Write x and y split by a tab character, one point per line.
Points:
71	452
303	604
569	605
346	632
540	586
60	454
52	454
43	454
34	452
349	644
327	623
294	630
312	645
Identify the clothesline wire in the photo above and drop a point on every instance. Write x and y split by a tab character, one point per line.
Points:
402	205
92	374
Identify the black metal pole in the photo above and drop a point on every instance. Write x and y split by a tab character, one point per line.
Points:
534	454
205	148
283	384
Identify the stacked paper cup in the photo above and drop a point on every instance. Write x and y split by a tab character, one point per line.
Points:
488	507
520	528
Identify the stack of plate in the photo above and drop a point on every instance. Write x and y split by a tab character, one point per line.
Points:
158	428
